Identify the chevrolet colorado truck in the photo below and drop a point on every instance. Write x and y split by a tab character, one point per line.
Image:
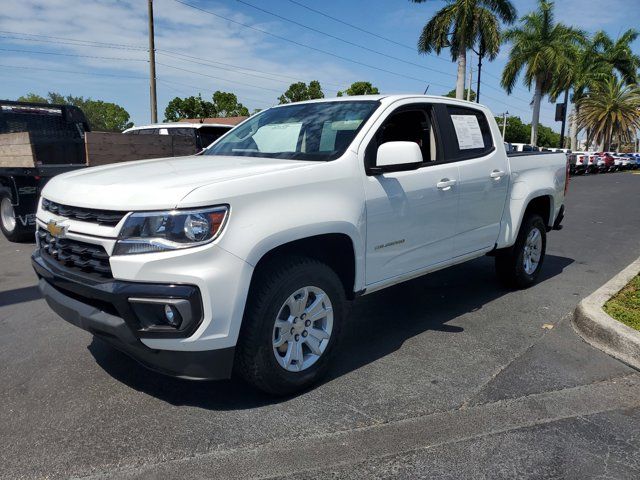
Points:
244	259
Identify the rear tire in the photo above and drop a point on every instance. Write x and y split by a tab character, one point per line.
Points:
278	348
9	224
520	265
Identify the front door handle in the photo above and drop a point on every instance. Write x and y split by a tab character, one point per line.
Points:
445	184
497	174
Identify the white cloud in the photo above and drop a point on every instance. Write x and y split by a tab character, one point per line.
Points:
178	29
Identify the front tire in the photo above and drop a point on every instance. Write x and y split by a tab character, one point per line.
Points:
9	224
291	325
520	265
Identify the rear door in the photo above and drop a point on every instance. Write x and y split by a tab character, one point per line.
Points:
483	177
411	215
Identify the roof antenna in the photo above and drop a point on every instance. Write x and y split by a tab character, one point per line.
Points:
426	89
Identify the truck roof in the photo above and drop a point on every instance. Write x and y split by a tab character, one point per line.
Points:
387	99
177	125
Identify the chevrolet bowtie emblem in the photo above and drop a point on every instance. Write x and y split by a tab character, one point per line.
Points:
56	230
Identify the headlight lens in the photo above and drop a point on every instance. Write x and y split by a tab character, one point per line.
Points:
147	232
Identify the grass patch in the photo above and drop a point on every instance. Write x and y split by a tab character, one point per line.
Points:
625	305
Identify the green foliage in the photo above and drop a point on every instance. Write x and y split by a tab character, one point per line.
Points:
519	132
462	24
452	94
625	305
299	91
226	105
189	107
102	116
610	111
359	88
223	104
542	49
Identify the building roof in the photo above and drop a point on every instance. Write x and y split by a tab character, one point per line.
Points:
217	120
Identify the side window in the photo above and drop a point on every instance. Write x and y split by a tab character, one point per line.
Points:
407	124
148	131
470	131
208	135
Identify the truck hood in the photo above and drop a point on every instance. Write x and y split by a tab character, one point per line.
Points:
155	184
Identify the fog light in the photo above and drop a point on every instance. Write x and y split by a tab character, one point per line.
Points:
170	315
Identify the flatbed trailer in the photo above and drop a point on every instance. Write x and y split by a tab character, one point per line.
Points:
19	192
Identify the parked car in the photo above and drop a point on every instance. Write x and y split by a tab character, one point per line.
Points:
578	162
204	134
609	162
249	267
524	147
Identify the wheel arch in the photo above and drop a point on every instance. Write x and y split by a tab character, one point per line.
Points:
336	249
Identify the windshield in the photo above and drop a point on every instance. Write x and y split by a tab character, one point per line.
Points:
312	131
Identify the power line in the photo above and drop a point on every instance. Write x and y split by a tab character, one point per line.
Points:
347	59
232	68
76	72
348	42
71	55
65	41
218	78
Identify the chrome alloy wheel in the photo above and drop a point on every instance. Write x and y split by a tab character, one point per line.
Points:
7	215
532	251
302	329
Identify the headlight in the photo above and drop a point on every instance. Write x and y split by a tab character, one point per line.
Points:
146	232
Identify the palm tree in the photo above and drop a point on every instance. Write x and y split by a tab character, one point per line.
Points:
596	61
611	110
544	49
460	25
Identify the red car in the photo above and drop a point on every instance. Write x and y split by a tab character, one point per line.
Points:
609	163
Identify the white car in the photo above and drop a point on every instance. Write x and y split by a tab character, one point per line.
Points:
204	134
246	257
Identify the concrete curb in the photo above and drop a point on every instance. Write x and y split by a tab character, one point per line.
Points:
597	328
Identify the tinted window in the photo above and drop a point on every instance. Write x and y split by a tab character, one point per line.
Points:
208	135
182	132
148	131
470	131
312	131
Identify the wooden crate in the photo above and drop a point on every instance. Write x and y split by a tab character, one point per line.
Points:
16	150
103	148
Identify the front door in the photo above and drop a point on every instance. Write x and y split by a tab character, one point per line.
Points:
411	215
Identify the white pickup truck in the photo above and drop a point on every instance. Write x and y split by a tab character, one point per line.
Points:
244	258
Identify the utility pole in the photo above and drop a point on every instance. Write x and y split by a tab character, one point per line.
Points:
480	55
564	117
470	82
504	123
152	66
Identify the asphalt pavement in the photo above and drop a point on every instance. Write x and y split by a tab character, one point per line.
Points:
446	376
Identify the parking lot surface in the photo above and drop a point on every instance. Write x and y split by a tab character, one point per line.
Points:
447	376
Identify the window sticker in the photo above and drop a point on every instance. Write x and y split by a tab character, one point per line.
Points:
467	131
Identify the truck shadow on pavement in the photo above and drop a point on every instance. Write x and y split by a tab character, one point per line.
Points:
379	325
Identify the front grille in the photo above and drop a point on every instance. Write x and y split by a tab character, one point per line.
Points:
82	257
91	215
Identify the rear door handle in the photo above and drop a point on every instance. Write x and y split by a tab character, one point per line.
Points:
445	184
497	174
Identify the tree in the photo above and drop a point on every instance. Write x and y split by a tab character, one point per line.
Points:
360	88
610	111
299	91
544	50
452	94
516	131
226	105
598	60
462	24
102	116
189	107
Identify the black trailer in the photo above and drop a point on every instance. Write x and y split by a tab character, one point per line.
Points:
57	139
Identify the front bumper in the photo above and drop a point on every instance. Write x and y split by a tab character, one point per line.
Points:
103	309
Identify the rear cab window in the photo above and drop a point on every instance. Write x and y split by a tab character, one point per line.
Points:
469	133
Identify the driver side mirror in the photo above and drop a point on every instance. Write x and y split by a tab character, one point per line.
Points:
397	156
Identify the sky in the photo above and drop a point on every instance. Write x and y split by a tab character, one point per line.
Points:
253	48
